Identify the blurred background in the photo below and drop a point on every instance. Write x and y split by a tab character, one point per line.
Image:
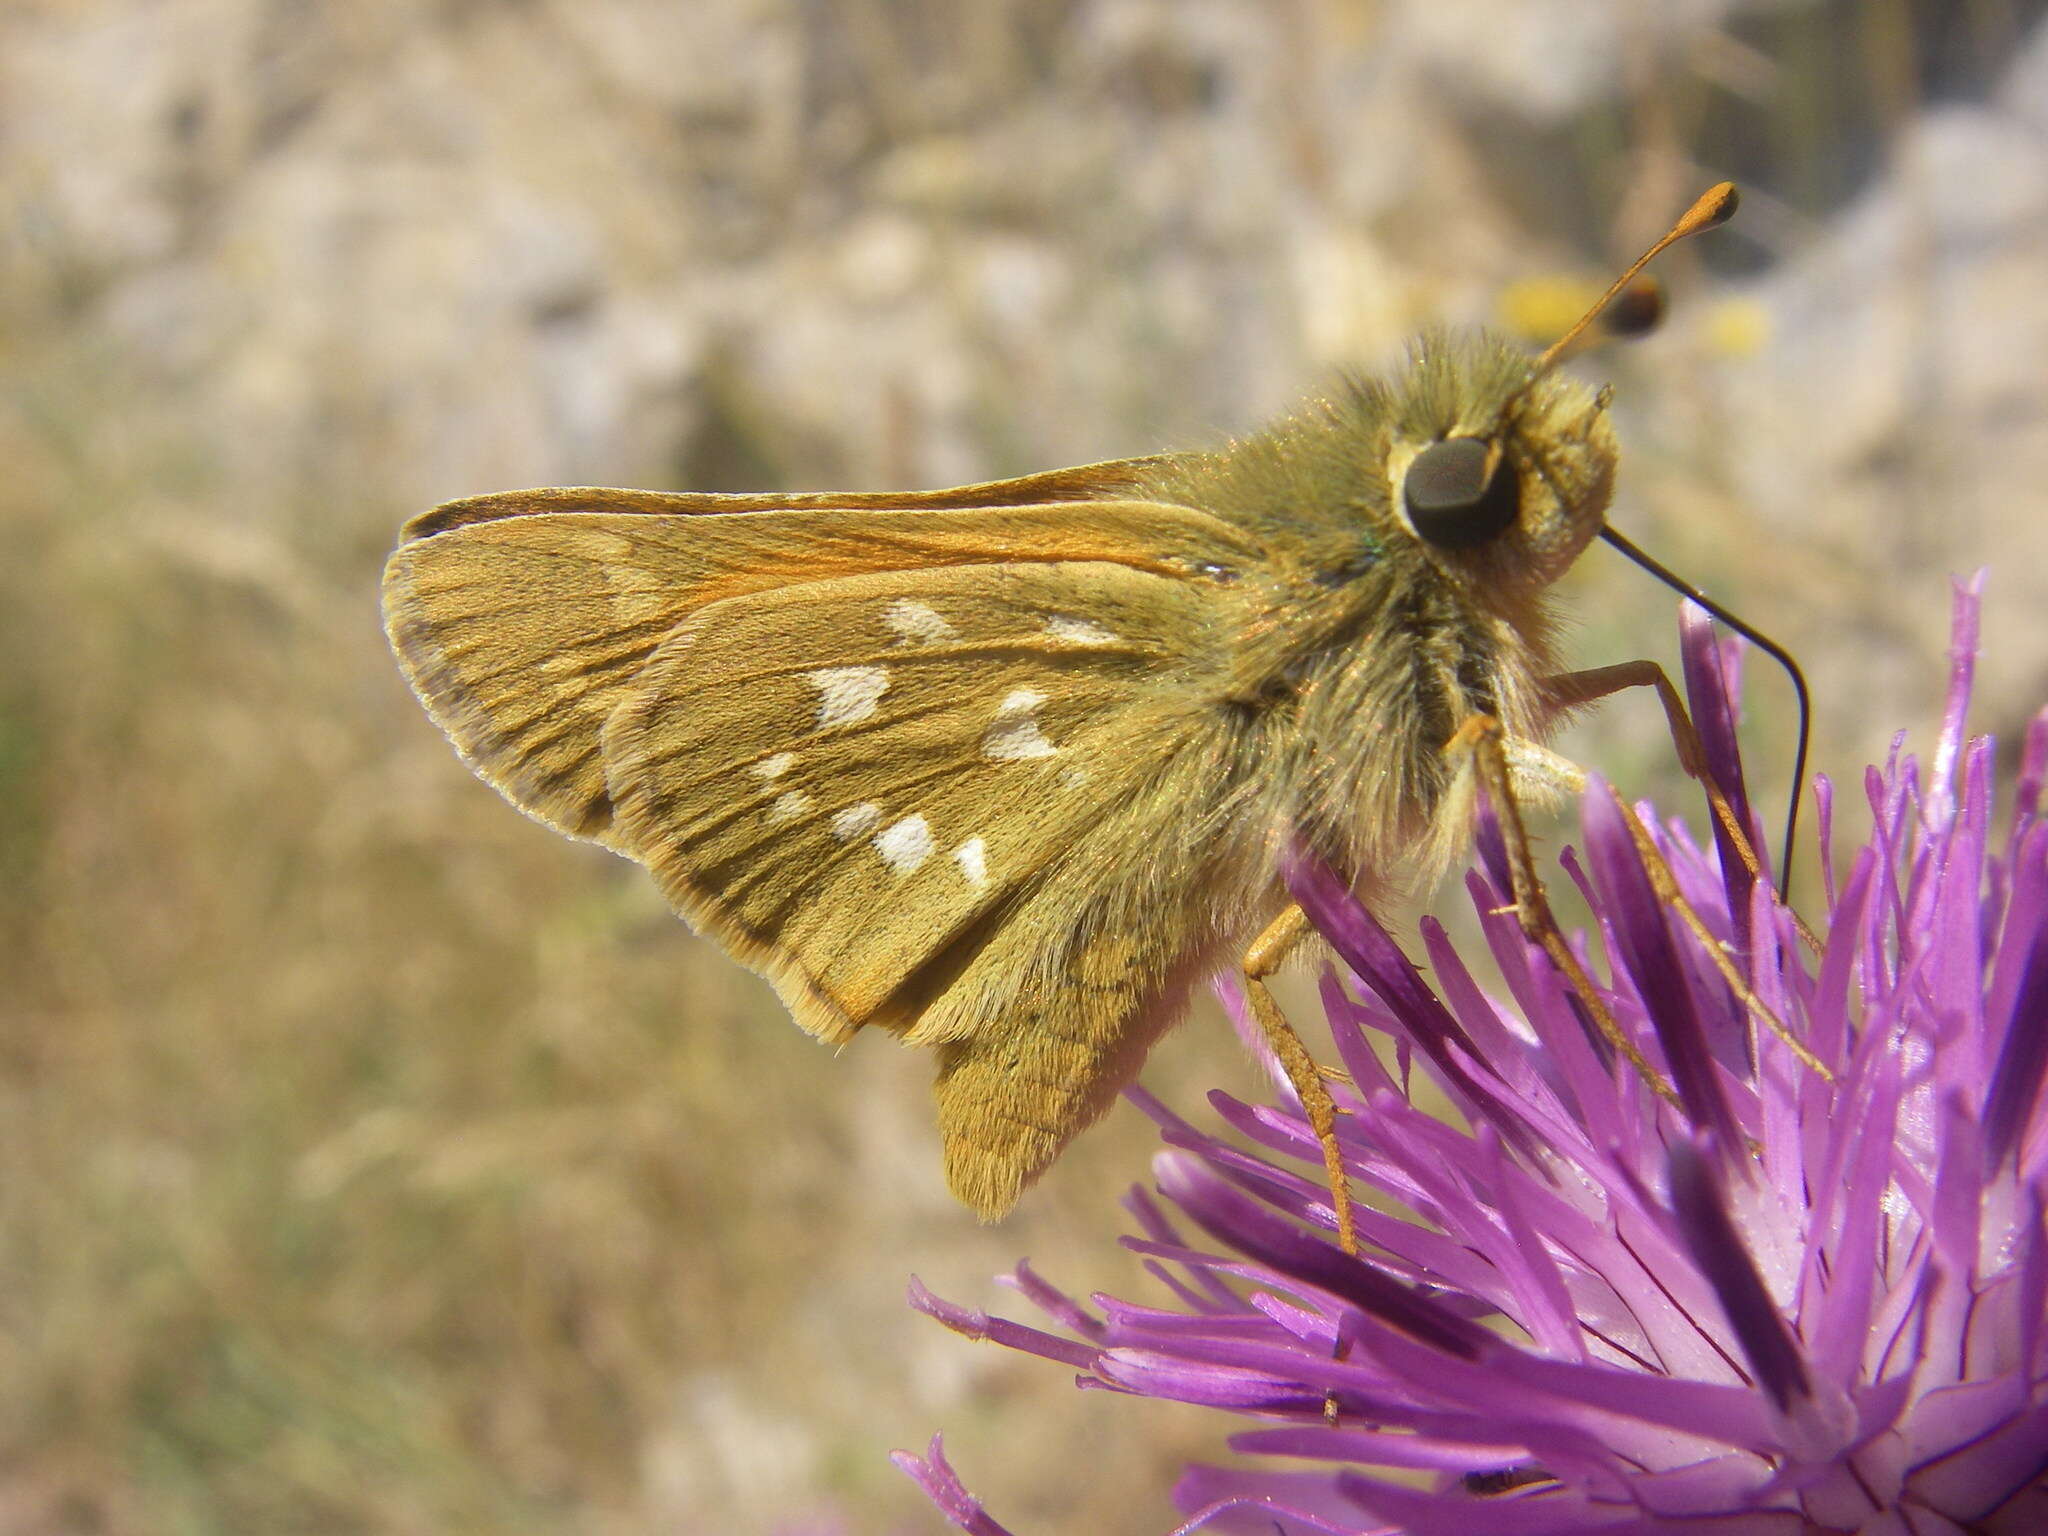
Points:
373	1159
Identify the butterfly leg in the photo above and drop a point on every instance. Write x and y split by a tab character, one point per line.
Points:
1482	740
1265	955
1572	690
1577	688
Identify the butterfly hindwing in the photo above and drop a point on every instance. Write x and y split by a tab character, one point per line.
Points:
926	800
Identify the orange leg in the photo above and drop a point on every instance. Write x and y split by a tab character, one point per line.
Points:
1577	688
1482	738
1265	955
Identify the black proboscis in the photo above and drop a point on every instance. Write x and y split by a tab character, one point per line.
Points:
1770	648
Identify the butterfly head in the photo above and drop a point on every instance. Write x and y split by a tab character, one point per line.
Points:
1501	473
1500	466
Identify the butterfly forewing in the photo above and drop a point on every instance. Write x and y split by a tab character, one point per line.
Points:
522	619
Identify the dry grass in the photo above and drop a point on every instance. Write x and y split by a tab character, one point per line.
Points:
375	1160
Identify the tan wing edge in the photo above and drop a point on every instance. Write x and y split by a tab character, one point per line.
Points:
1107	480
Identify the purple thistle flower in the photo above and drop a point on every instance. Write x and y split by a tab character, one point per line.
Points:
1800	1301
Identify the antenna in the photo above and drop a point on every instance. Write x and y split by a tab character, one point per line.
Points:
1639	308
1715	207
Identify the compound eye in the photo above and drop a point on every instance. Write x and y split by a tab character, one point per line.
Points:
1452	501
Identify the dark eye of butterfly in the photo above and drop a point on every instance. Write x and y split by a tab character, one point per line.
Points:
1451	501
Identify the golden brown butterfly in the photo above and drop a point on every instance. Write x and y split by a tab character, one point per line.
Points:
1008	769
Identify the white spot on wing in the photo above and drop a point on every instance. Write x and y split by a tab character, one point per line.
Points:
775	767
905	844
789	805
1069	630
972	857
847	694
854	820
915	621
1014	734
